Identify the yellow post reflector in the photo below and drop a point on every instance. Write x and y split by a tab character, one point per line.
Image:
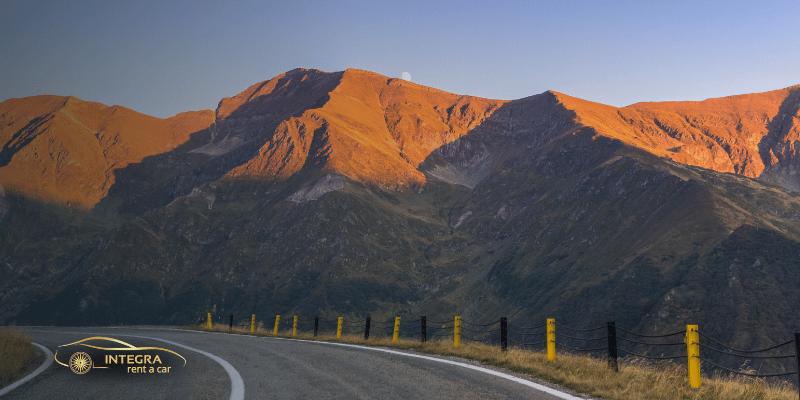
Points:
551	339
456	331
295	318
252	323
339	323
693	354
208	321
277	325
396	330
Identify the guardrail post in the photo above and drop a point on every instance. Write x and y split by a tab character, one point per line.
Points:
456	331
252	324
396	330
423	329
551	339
503	333
693	354
208	321
316	326
797	356
295	318
367	325
612	346
230	323
339	323
277	325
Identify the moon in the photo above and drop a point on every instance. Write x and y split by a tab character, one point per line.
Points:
405	76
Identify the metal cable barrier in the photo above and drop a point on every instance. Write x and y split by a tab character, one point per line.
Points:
578	341
609	341
664	350
726	352
527	335
764	350
491	332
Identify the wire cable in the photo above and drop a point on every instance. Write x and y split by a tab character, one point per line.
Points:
536	345
773	347
569	328
651	357
529	328
583	339
651	344
586	350
747	373
473	329
480	324
767	357
651	336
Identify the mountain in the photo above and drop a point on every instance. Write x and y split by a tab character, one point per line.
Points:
752	135
65	150
356	124
352	192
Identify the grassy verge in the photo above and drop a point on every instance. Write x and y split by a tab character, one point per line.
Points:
16	355
588	375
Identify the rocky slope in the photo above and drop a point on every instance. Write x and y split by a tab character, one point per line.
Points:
352	192
66	150
363	126
752	135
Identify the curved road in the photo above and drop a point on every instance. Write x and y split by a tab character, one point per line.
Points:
269	368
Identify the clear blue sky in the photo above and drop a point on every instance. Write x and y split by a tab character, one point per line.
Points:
163	57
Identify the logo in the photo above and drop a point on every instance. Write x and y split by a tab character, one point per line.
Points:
100	352
80	362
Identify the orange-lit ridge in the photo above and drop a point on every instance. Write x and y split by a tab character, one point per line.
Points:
367	127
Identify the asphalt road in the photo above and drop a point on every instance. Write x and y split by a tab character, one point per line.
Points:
269	368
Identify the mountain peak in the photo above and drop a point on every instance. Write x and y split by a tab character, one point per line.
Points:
361	124
282	85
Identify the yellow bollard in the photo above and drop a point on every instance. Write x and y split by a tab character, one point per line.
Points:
339	323
277	325
295	318
456	331
396	330
252	324
208	321
551	339
693	354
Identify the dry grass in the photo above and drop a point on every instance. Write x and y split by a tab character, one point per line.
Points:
16	353
636	380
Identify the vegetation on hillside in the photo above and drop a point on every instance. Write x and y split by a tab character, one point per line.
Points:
16	353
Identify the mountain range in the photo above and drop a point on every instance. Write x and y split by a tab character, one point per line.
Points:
352	192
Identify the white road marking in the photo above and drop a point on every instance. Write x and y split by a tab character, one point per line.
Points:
525	382
533	385
237	384
48	360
